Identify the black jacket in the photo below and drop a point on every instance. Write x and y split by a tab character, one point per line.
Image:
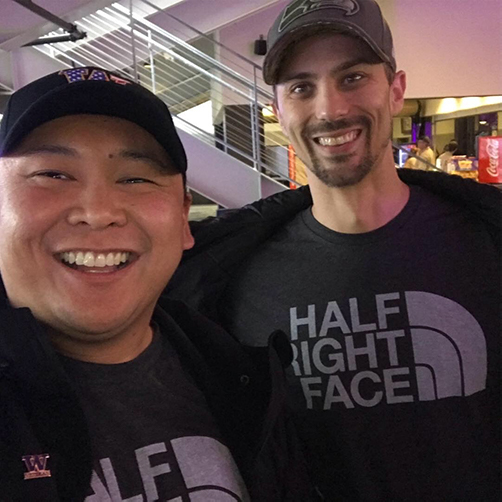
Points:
40	412
222	244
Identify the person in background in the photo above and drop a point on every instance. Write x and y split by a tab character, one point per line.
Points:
445	157
425	152
411	162
107	390
386	281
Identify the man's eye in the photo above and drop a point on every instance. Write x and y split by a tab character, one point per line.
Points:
300	89
133	181
56	175
353	78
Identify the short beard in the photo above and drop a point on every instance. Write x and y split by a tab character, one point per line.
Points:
339	178
335	176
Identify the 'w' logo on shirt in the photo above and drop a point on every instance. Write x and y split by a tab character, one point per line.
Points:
36	466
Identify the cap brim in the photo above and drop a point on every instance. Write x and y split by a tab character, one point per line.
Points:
275	57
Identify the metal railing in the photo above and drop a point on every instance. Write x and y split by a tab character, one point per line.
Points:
421	163
186	68
4	89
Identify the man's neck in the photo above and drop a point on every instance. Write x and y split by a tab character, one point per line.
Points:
100	348
361	208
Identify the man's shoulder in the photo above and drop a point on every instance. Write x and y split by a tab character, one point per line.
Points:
484	201
267	213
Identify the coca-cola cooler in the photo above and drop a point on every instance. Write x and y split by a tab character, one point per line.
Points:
490	159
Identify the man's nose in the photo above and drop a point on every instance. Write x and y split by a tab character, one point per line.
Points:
330	103
98	207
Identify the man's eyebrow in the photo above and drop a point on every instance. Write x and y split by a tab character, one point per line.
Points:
353	62
49	149
337	69
140	155
162	166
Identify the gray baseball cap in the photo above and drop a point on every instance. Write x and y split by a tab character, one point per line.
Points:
303	18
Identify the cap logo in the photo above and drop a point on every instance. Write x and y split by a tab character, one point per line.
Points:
82	74
301	7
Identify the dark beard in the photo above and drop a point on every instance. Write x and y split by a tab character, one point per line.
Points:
334	176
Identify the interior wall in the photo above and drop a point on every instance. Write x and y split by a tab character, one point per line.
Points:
27	65
240	37
448	47
444	132
397	130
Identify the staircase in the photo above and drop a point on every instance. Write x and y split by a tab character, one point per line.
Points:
238	155
229	163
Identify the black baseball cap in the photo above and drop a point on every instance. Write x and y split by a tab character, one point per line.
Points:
89	90
303	18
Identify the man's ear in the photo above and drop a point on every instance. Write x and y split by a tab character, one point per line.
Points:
397	90
275	108
188	240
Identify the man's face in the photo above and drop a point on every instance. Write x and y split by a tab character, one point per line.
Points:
336	107
93	223
422	145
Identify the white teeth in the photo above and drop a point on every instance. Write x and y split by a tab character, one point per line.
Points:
79	259
339	140
90	259
110	260
100	260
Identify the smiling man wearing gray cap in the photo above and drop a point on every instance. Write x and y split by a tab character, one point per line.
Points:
387	282
107	391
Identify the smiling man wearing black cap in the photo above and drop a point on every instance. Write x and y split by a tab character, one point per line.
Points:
386	282
106	391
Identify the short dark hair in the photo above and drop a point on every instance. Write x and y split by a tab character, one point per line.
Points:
425	139
389	73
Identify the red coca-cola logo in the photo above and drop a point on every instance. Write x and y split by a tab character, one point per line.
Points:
492	149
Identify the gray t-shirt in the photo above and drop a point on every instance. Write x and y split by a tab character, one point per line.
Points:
152	434
396	341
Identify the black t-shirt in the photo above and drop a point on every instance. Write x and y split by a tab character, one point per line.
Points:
396	337
152	434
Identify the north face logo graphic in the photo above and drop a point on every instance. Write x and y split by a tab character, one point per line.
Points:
302	7
418	347
450	348
199	468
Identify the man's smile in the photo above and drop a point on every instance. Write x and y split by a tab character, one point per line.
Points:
91	260
333	139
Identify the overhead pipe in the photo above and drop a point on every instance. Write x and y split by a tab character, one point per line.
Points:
74	33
